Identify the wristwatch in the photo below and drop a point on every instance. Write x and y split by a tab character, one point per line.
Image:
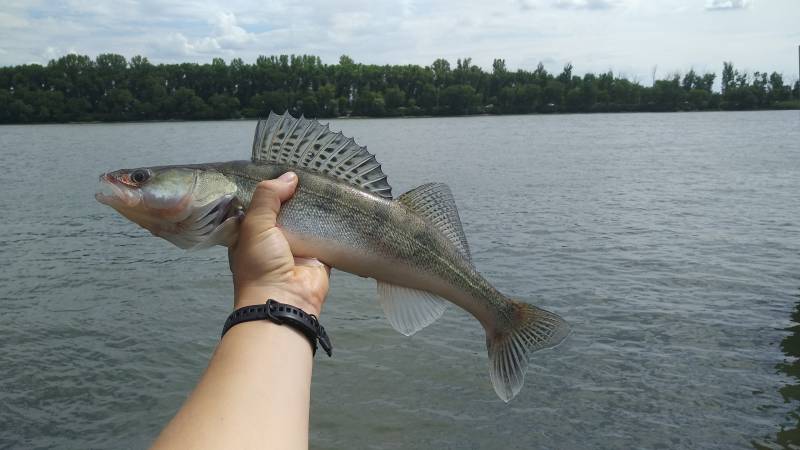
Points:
283	314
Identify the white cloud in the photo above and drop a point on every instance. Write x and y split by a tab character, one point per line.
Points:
573	4
225	38
229	35
588	4
717	5
51	52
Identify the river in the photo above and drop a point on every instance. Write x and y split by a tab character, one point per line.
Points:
670	242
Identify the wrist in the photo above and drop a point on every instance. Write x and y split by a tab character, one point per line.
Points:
258	295
283	314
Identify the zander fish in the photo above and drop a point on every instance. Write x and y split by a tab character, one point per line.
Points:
343	214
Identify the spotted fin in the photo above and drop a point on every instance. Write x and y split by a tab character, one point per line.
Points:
307	144
435	203
409	310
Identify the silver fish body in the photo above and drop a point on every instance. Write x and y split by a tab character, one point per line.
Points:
364	234
342	213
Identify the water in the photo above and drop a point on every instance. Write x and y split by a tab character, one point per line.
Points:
671	243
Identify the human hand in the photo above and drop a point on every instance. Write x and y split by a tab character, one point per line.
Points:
261	261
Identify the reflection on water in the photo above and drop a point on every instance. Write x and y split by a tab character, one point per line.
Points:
789	435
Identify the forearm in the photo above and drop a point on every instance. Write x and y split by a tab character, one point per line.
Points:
256	390
254	394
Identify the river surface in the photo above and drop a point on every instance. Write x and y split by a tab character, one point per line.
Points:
670	242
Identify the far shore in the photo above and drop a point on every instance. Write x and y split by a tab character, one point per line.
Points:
356	117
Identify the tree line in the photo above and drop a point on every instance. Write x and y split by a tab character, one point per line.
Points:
112	88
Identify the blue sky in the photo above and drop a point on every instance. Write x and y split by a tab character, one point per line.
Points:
630	37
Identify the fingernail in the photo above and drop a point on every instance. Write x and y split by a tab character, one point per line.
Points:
288	177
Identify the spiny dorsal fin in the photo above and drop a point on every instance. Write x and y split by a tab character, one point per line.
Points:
435	203
309	145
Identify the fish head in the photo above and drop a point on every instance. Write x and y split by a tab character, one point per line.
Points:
192	207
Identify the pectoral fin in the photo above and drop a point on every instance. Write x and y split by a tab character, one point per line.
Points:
224	234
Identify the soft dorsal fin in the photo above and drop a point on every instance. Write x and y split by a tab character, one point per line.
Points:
309	145
435	203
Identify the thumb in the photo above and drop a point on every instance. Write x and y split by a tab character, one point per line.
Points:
267	200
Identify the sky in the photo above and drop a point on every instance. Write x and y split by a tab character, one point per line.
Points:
634	38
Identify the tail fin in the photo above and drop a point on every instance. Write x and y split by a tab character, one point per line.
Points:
530	329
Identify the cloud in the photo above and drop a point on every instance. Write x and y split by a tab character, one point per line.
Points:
229	35
587	4
226	37
572	4
721	5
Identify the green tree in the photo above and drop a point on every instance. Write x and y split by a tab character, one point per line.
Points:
394	97
307	105
272	101
369	103
499	67
574	100
553	94
109	87
778	92
441	71
460	99
326	97
565	77
428	98
223	106
118	104
185	104
668	95
699	99
728	75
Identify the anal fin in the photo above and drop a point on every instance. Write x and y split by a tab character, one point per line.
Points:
409	310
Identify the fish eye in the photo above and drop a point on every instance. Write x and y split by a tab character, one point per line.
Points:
139	176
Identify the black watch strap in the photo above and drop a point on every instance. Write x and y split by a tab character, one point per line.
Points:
283	314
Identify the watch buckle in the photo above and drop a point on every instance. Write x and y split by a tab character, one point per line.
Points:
272	318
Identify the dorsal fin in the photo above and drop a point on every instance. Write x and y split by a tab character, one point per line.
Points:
307	144
435	203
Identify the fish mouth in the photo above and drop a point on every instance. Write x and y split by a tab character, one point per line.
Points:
114	193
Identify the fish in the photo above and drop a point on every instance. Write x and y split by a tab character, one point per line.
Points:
343	214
